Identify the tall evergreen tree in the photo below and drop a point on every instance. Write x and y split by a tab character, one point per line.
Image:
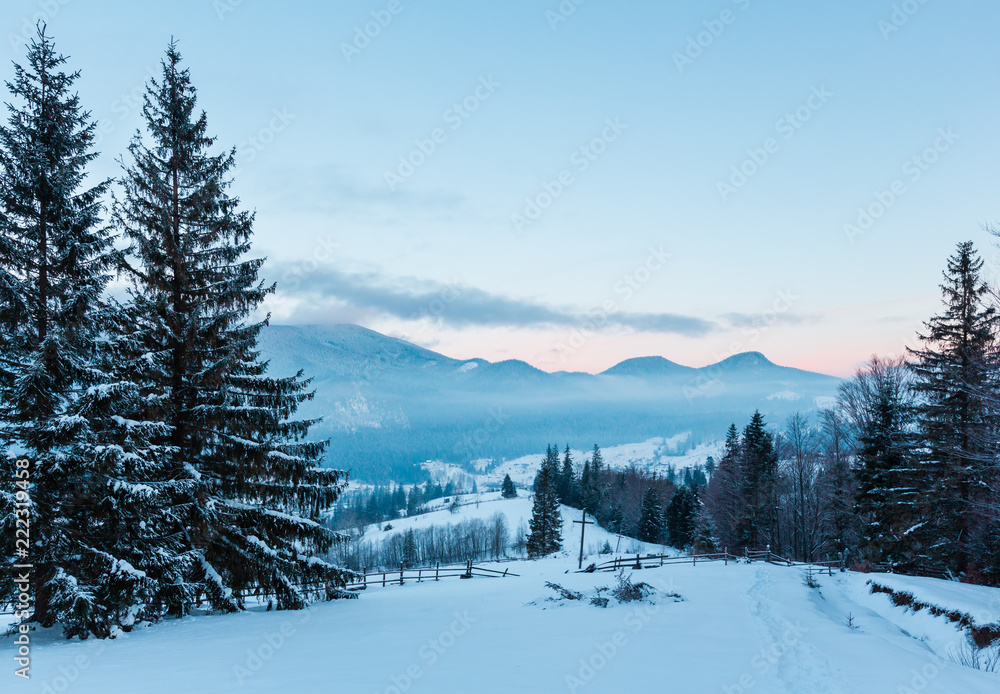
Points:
586	487
507	489
879	402
567	480
546	520
56	399
246	486
956	379
409	548
681	517
650	527
724	496
592	485
758	522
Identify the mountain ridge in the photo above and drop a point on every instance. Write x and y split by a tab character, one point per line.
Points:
387	404
630	366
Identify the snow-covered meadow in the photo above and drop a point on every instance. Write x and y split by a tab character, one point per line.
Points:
656	455
737	628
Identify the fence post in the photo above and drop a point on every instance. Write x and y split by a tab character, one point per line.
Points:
725	558
420	573
638	564
364	577
694	559
383	579
400	573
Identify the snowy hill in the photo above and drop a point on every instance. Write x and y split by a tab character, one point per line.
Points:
389	405
657	455
708	627
518	512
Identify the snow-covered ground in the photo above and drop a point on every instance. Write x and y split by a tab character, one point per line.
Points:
739	628
655	455
518	513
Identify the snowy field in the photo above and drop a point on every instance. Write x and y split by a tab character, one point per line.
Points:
653	455
518	513
737	628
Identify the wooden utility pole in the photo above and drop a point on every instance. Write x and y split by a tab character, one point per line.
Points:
583	527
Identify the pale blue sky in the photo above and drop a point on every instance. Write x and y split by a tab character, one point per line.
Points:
768	268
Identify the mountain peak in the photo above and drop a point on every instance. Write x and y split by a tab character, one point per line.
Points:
744	360
644	367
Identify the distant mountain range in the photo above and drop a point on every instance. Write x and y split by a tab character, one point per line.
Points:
388	405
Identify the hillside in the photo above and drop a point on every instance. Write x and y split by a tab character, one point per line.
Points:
733	628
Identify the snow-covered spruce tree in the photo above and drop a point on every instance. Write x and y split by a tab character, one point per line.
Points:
650	526
546	520
567	480
681	517
879	403
592	485
957	412
507	490
724	496
758	522
409	549
248	486
56	396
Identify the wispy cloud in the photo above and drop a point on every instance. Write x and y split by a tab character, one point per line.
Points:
328	294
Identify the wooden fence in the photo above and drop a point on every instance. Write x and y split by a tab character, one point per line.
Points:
421	575
650	561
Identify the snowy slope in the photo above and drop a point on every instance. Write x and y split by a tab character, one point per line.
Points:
750	628
737	628
518	512
655	455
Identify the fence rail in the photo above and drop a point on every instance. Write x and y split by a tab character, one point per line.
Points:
420	575
650	561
